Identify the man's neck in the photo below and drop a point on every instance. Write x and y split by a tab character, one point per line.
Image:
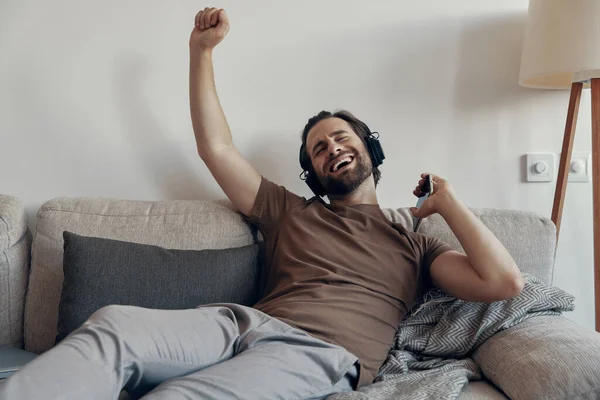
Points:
364	194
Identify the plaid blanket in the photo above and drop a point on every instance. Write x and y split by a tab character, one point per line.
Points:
429	358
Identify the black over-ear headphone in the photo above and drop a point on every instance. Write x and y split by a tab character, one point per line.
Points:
375	151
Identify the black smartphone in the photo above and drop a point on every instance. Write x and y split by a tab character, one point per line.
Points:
427	189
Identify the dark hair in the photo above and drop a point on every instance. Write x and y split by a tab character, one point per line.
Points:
359	127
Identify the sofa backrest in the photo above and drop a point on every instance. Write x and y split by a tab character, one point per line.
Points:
197	225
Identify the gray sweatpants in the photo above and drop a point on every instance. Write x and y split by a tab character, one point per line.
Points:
219	351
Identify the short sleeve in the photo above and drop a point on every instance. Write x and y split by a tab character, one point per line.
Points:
431	248
271	204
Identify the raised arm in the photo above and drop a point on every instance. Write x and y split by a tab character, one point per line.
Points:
238	179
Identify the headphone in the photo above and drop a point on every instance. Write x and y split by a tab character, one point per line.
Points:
375	151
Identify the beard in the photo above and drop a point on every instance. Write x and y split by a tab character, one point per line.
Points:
347	181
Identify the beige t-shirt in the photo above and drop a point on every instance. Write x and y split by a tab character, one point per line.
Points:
344	274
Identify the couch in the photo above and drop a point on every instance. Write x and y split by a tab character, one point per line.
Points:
566	356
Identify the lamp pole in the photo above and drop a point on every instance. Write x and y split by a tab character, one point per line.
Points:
563	174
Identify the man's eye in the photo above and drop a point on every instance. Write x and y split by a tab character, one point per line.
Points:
318	151
342	138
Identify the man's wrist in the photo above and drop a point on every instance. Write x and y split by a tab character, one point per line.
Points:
447	204
200	54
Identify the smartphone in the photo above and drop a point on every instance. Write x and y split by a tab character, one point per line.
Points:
427	189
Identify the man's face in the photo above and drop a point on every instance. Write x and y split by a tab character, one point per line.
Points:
338	155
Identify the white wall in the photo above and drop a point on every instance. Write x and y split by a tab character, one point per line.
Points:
94	102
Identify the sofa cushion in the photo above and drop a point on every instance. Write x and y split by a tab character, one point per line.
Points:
99	272
546	357
174	224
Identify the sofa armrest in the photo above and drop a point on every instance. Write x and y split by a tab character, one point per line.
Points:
15	242
547	357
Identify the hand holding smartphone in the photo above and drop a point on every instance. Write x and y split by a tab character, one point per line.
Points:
427	189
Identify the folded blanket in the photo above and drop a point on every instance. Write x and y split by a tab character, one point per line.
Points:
429	358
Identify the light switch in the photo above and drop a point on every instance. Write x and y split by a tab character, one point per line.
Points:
540	167
579	170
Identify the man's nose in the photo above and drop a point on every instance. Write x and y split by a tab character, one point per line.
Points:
335	148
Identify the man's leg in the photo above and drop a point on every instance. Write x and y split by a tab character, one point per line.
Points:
132	347
275	361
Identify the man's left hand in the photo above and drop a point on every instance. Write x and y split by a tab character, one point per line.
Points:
486	272
443	193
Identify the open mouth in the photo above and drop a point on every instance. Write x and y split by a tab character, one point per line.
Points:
341	164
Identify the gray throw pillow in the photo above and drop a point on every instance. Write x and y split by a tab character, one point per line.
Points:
100	272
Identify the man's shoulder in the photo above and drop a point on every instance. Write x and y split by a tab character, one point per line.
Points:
314	204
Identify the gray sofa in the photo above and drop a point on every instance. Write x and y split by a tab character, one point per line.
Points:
567	356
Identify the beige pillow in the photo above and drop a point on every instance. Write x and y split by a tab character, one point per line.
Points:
547	357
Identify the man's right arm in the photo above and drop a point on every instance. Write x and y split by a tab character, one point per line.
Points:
237	177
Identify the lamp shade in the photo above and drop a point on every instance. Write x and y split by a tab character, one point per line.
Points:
562	43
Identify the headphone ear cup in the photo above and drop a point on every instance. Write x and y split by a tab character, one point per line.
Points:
372	152
375	151
379	151
310	179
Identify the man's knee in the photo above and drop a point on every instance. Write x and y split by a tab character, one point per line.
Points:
110	327
109	315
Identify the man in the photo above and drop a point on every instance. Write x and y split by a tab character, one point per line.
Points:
340	278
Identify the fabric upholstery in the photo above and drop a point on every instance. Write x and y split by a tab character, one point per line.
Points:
176	224
546	357
13	221
15	242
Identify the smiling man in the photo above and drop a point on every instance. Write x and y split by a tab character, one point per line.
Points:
339	277
342	174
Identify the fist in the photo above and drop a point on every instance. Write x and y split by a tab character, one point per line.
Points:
211	27
442	191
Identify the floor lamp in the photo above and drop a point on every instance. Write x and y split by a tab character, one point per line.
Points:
561	50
